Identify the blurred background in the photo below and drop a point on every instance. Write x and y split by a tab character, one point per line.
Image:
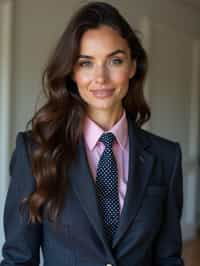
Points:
170	32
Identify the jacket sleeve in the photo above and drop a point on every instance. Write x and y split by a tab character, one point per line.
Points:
22	239
168	245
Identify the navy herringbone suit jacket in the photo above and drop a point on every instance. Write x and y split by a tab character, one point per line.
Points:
149	233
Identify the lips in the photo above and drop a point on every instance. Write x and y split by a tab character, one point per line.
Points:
102	93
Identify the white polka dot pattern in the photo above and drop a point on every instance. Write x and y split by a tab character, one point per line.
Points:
107	187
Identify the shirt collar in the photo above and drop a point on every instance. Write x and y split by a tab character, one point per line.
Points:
92	132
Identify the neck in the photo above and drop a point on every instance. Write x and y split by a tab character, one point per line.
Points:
106	120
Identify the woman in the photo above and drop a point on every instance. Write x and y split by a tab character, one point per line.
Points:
88	185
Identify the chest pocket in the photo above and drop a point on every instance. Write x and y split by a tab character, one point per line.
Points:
152	208
56	246
159	191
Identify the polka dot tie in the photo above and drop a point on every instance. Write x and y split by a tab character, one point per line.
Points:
107	187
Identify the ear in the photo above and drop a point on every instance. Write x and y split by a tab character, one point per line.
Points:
133	69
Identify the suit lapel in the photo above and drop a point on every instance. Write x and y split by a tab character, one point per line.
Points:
140	166
84	187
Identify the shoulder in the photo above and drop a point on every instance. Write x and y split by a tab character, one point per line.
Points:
24	142
166	153
24	138
163	149
20	158
20	167
160	144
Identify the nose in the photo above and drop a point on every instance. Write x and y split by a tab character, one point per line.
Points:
101	74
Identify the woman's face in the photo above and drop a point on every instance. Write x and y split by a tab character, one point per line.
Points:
103	69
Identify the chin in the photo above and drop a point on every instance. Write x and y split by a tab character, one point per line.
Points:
103	107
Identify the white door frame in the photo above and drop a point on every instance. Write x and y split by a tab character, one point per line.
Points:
6	33
192	167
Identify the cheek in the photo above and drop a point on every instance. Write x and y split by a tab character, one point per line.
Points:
82	80
121	79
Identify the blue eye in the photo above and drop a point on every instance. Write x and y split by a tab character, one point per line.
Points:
117	61
85	64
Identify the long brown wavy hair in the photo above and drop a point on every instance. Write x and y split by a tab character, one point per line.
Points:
57	126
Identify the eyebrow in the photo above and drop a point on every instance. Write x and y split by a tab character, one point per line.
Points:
109	55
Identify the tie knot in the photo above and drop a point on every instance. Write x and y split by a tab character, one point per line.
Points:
107	139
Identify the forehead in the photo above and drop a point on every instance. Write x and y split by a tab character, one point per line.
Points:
102	40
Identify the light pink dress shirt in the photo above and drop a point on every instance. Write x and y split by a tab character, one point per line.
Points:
94	149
